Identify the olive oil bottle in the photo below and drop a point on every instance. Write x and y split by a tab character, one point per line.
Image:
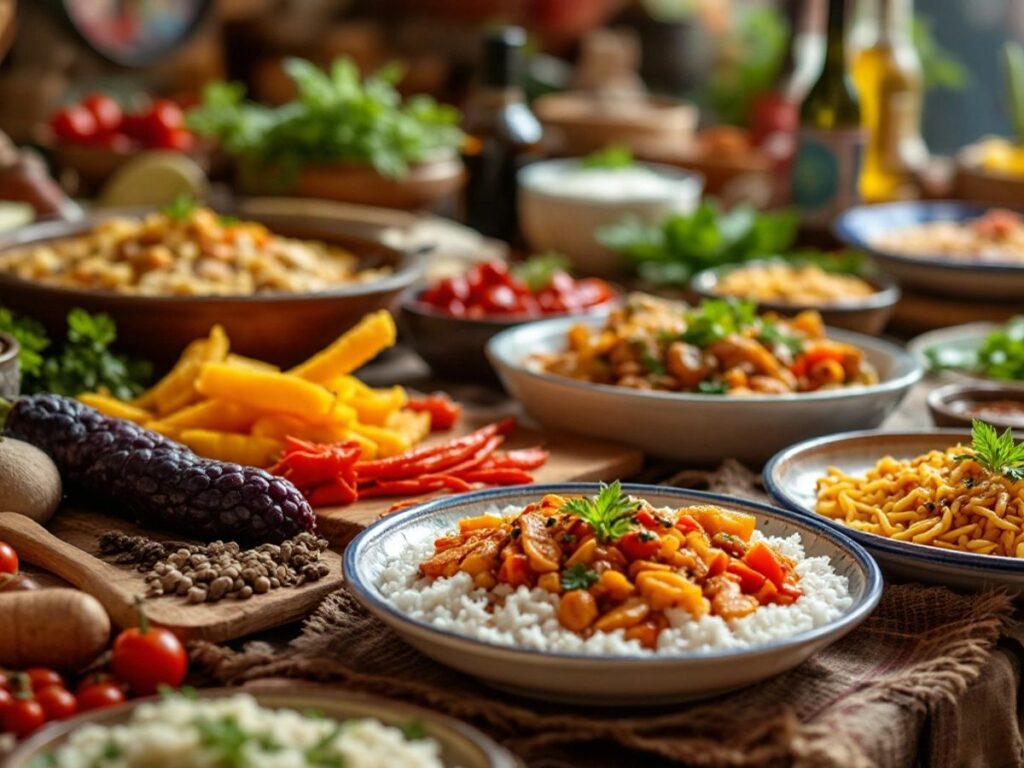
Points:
830	141
887	72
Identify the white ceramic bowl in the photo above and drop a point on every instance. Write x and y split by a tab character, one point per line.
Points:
604	679
930	273
959	338
691	427
791	479
566	221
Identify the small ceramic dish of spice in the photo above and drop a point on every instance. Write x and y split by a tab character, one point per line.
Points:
10	371
957	405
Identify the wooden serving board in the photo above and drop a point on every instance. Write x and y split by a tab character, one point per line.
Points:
572	459
67	547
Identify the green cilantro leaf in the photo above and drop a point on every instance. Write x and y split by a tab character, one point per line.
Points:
611	157
610	513
31	338
579	576
181	208
771	335
999	454
715	319
712	388
538	271
414	730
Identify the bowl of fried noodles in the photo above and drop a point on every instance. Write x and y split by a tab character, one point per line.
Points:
944	506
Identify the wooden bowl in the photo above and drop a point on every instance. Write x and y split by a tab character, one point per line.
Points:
951	406
578	123
426	185
282	328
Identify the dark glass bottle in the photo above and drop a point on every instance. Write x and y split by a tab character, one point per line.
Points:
830	141
503	134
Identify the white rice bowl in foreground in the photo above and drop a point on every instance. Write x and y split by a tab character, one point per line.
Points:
527	618
178	732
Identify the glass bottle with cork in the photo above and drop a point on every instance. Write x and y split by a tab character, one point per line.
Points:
503	135
830	141
887	72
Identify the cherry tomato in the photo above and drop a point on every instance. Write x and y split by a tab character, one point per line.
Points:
57	703
118	142
164	115
23	716
177	139
500	299
74	124
99	696
136	126
8	558
494	273
147	657
41	678
639	545
6	700
5	681
94	678
105	110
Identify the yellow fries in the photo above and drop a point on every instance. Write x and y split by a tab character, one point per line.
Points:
234	408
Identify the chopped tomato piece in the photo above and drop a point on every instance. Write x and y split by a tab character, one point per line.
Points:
639	545
515	571
762	559
750	580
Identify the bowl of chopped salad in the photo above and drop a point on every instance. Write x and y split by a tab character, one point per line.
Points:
976	351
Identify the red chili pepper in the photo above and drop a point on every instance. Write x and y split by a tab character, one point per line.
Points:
339	492
444	411
480	458
498	476
441	456
308	465
523	458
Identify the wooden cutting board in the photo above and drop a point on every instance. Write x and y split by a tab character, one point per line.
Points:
67	547
572	459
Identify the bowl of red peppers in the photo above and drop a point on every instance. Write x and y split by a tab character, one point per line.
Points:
450	322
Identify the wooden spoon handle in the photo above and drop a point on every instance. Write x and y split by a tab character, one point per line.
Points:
34	544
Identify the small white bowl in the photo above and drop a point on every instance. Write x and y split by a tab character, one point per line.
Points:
606	680
565	218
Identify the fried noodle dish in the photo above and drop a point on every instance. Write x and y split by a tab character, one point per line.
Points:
721	347
966	498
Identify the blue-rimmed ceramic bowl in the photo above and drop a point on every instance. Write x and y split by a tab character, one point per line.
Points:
791	479
930	273
605	679
689	426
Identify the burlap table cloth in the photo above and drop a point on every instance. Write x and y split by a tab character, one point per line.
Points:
931	678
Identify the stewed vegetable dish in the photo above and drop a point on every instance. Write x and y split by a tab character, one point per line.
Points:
619	563
721	347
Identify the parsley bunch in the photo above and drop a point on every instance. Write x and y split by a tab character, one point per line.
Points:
610	513
84	362
999	454
335	117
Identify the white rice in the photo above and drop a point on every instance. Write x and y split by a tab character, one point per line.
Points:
631	183
527	618
166	734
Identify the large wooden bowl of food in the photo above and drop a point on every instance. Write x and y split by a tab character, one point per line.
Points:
283	284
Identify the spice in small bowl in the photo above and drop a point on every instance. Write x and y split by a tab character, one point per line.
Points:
10	370
957	405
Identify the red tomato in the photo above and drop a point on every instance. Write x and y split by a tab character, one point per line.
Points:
148	657
57	703
639	545
94	678
592	291
99	696
136	127
177	139
105	110
41	678
8	558
494	273
500	299
74	124
165	114
6	700
24	716
118	142
5	681
550	302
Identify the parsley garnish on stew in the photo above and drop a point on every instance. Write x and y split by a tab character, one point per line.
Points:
610	513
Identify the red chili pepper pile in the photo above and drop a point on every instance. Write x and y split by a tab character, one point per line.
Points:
333	474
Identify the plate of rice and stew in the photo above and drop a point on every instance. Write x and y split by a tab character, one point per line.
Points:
611	594
944	507
695	383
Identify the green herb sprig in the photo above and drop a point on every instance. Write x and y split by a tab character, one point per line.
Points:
578	576
538	271
716	319
613	157
998	453
610	513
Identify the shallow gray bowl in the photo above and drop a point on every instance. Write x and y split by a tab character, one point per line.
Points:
605	679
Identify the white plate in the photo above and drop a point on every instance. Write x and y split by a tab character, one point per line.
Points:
957	278
791	479
965	338
691	427
597	679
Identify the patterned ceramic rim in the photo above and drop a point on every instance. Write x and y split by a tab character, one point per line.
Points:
846	230
873	542
368	595
501	357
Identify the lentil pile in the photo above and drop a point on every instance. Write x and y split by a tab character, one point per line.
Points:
207	573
